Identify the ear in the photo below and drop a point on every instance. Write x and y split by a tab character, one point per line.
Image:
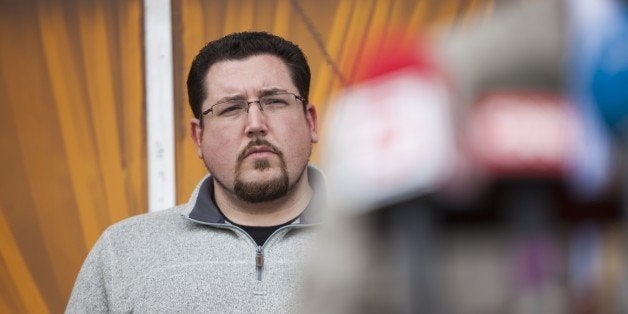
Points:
312	121
196	132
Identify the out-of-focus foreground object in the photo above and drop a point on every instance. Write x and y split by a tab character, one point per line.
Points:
481	171
392	131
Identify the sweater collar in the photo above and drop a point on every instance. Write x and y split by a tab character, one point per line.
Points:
201	206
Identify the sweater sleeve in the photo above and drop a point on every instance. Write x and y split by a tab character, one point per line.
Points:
92	289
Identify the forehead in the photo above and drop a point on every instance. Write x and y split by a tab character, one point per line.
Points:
247	77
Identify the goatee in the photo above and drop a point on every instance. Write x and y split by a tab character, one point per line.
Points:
257	192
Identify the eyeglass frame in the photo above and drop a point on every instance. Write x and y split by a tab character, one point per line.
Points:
259	104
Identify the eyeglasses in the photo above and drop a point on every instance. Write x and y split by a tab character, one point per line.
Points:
270	104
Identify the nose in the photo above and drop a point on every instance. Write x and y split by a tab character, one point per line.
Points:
255	120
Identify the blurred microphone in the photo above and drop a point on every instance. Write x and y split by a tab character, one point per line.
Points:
599	59
521	100
391	132
391	144
576	49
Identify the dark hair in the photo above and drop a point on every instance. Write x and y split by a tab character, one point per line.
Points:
239	46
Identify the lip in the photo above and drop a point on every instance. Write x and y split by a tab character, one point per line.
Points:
259	151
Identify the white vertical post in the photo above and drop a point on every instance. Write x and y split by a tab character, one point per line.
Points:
159	104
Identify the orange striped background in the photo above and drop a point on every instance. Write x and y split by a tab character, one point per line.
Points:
72	125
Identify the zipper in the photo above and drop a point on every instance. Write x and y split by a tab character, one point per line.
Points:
259	262
259	249
259	254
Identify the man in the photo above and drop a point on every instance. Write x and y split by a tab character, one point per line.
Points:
238	245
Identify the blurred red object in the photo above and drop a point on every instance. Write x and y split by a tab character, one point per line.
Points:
522	134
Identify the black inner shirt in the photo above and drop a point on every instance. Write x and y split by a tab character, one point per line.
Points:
260	234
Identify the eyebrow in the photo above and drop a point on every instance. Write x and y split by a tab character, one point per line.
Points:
229	98
262	93
272	91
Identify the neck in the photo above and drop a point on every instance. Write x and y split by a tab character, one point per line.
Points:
270	213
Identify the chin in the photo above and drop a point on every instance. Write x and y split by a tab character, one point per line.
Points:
260	175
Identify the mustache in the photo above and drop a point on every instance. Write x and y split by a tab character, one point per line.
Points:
259	142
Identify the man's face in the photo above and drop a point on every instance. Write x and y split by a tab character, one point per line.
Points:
257	156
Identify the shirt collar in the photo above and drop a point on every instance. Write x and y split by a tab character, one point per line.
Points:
201	206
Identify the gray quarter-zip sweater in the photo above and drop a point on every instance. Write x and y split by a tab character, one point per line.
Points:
188	259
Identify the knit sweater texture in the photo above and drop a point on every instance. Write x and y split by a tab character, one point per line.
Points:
188	259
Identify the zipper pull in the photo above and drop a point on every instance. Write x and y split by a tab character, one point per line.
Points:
259	262
259	258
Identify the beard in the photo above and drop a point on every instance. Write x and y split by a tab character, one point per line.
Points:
261	191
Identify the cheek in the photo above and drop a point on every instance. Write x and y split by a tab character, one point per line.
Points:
297	143
220	154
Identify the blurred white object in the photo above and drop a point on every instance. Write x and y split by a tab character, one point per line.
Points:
391	138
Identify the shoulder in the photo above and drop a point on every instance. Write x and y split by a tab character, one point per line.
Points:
149	225
166	216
